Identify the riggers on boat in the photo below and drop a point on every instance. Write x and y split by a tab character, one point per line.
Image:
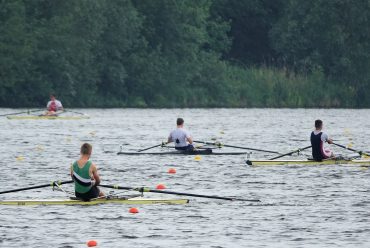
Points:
180	152
362	162
108	200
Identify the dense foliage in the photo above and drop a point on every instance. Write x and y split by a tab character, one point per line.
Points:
189	53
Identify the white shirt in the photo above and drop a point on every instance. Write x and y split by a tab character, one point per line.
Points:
57	103
324	136
179	136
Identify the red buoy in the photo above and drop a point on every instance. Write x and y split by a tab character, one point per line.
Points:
172	170
134	210
92	243
160	186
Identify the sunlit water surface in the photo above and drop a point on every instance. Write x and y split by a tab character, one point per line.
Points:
312	206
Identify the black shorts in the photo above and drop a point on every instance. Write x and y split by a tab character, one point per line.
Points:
185	148
92	193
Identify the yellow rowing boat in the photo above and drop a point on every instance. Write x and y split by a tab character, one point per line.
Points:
362	162
124	200
47	117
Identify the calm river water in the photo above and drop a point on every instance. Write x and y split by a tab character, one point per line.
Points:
312	206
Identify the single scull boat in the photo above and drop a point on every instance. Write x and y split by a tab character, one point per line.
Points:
362	162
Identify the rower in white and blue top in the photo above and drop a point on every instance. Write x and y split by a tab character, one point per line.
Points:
181	137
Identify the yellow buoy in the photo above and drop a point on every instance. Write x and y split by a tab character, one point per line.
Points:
197	158
20	158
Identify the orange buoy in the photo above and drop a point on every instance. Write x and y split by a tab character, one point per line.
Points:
92	243
172	170
134	210
160	186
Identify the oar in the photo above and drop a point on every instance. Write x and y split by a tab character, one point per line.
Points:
353	150
232	146
150	148
52	184
28	111
79	113
143	189
290	153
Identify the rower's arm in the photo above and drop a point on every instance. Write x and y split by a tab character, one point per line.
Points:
71	171
60	107
95	174
189	138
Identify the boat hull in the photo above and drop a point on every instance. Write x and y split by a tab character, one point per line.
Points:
131	201
47	117
361	162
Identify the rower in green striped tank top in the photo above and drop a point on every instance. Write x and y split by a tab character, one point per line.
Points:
85	175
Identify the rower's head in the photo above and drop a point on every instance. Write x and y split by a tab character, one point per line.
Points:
86	149
318	124
52	97
180	122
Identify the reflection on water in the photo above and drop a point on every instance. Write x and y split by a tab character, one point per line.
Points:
325	206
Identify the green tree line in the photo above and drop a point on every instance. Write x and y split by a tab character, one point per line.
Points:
185	53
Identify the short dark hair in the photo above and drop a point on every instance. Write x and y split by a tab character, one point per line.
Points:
318	123
86	149
179	121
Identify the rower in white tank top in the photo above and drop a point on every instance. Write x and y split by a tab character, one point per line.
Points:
181	137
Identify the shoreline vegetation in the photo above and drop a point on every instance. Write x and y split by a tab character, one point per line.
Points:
185	54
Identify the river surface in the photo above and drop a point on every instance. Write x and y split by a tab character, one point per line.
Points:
301	206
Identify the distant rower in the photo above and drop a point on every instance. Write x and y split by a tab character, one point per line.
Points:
318	138
85	175
181	137
53	106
